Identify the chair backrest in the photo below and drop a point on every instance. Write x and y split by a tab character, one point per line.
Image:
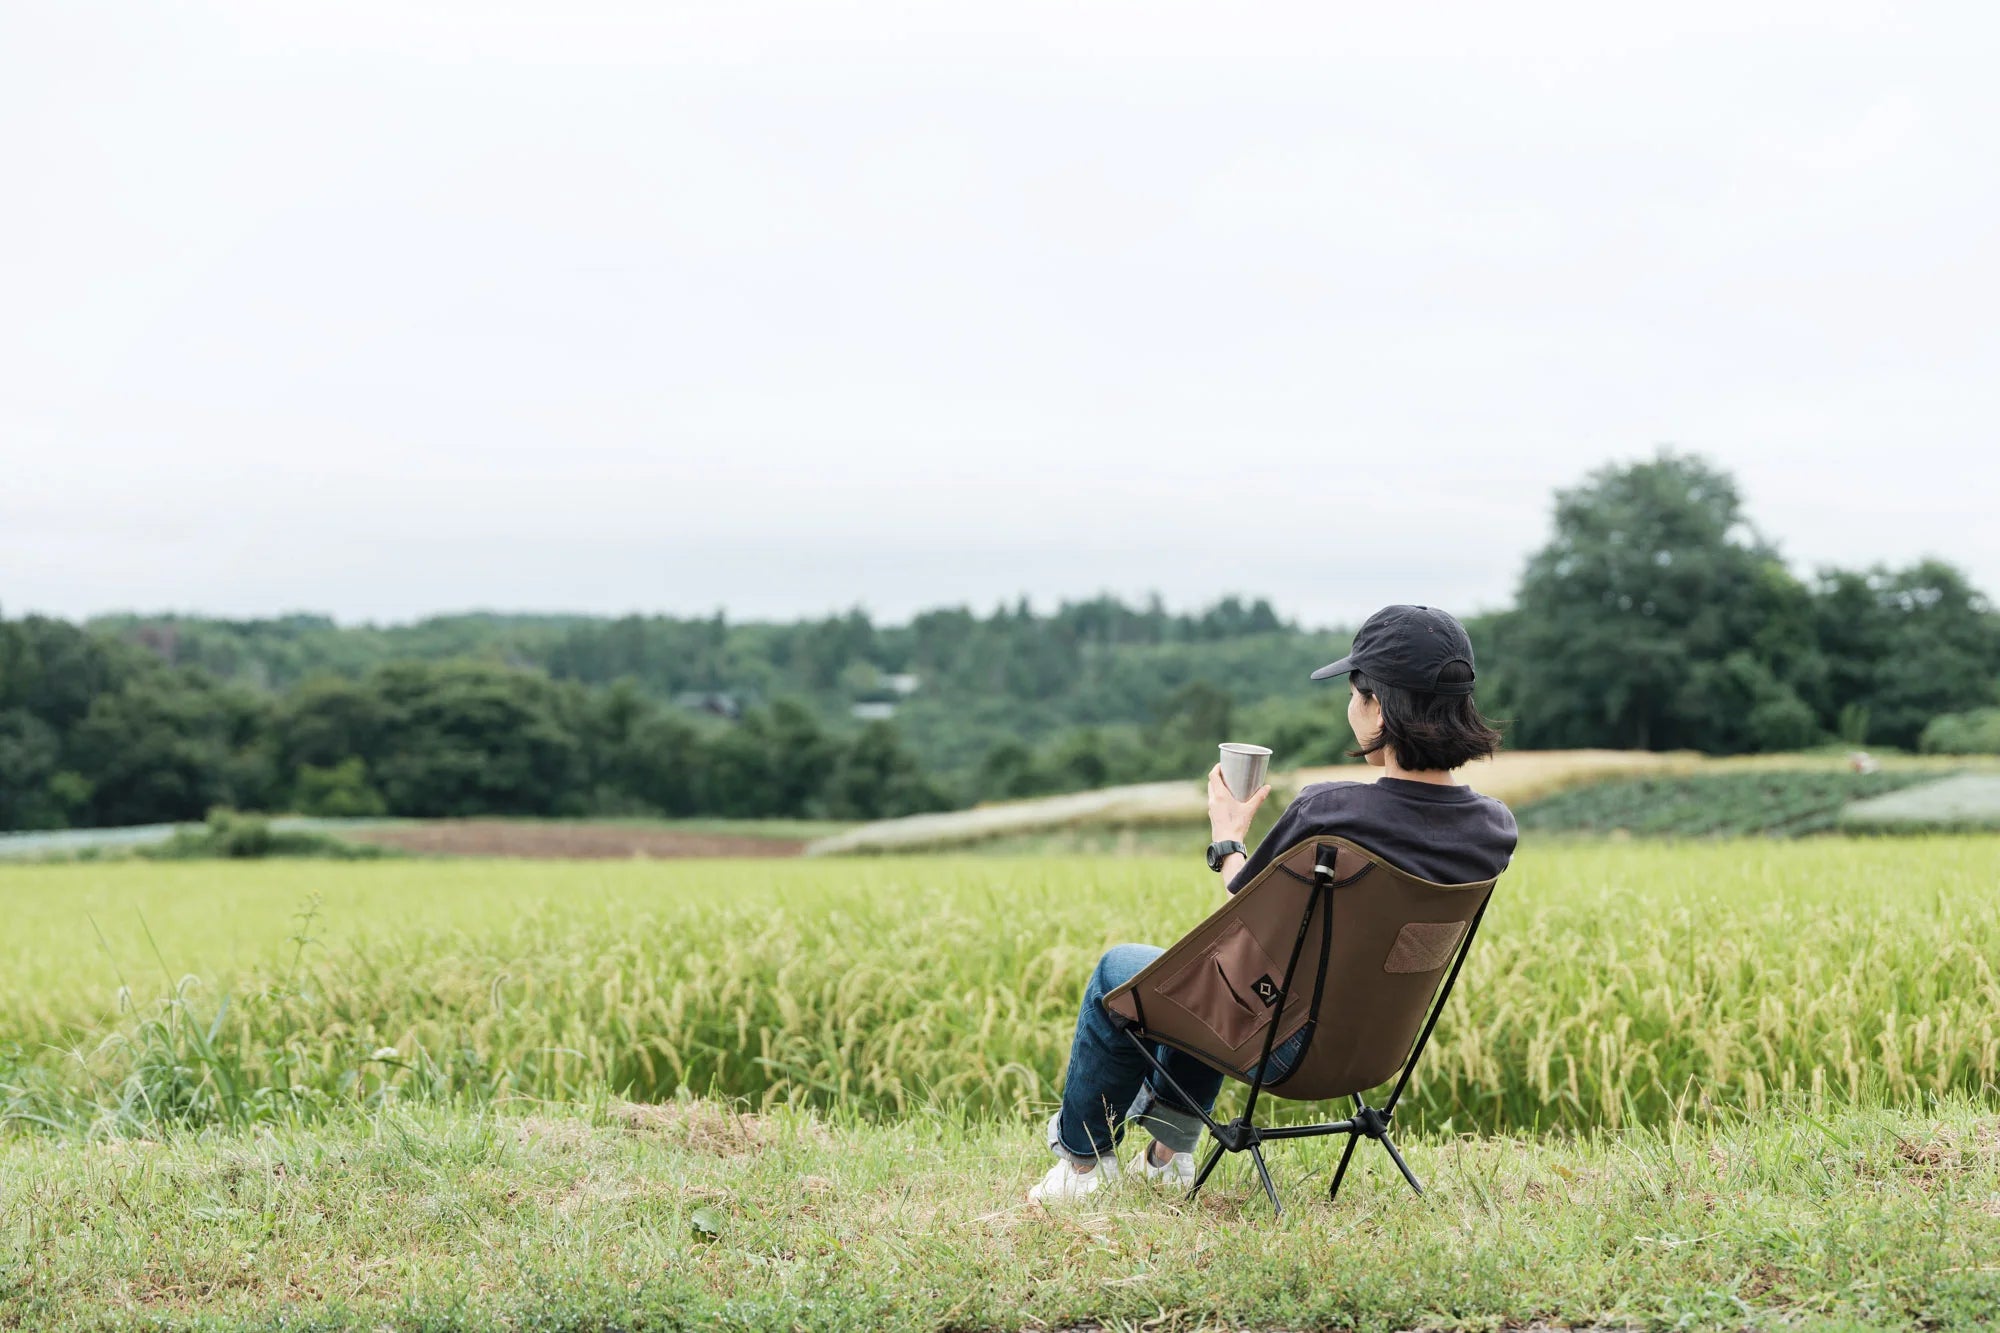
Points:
1214	993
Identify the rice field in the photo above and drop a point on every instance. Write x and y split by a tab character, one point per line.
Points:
1613	984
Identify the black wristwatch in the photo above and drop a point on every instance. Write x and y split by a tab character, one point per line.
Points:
1218	850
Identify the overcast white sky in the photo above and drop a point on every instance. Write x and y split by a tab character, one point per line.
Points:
382	309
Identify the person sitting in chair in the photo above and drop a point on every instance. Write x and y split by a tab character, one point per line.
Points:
1410	679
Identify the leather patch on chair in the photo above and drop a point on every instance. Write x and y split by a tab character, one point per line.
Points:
1424	946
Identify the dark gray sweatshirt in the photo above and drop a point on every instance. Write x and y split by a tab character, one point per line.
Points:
1448	835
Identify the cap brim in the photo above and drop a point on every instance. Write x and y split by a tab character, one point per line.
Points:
1340	668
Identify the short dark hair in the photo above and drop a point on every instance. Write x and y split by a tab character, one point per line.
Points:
1428	730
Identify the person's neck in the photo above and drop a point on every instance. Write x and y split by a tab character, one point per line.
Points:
1437	777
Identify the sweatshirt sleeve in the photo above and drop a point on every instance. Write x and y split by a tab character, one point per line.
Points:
1292	826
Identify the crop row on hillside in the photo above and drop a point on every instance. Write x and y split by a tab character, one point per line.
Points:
1968	801
1774	802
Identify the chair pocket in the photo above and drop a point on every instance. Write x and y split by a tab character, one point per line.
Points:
1231	985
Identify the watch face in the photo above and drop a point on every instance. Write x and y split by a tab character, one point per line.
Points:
1215	856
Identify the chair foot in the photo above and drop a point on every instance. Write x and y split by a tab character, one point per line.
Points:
1340	1172
1206	1167
1402	1165
1264	1174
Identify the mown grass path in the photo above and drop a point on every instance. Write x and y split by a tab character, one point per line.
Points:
696	1216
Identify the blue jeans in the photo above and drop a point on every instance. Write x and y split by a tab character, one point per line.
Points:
1109	1083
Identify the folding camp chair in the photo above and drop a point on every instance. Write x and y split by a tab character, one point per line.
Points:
1221	995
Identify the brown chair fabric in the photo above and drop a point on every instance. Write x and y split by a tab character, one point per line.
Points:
1214	993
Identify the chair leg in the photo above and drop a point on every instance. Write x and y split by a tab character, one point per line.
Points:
1206	1167
1264	1174
1401	1165
1340	1172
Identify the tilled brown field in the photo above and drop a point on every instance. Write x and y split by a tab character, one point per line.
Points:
566	842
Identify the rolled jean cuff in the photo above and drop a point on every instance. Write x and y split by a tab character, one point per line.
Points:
1179	1129
1062	1149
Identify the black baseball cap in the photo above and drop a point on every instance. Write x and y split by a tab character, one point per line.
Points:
1407	646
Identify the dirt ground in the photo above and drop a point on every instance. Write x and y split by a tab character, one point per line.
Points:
537	841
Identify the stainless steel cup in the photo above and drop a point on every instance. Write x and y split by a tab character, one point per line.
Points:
1243	768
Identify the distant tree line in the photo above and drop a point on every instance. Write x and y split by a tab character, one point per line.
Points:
96	731
988	706
1656	617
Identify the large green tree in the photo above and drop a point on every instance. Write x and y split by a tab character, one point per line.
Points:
464	738
1657	618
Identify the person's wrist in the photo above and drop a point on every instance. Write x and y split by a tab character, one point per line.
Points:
1218	833
1224	853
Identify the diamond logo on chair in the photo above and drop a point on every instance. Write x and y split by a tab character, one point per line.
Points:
1267	989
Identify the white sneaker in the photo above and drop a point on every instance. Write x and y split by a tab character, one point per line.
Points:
1178	1172
1065	1184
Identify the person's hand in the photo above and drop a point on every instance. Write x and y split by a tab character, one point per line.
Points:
1228	818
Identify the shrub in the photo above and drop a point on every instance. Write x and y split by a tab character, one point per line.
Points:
340	791
230	834
1976	732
